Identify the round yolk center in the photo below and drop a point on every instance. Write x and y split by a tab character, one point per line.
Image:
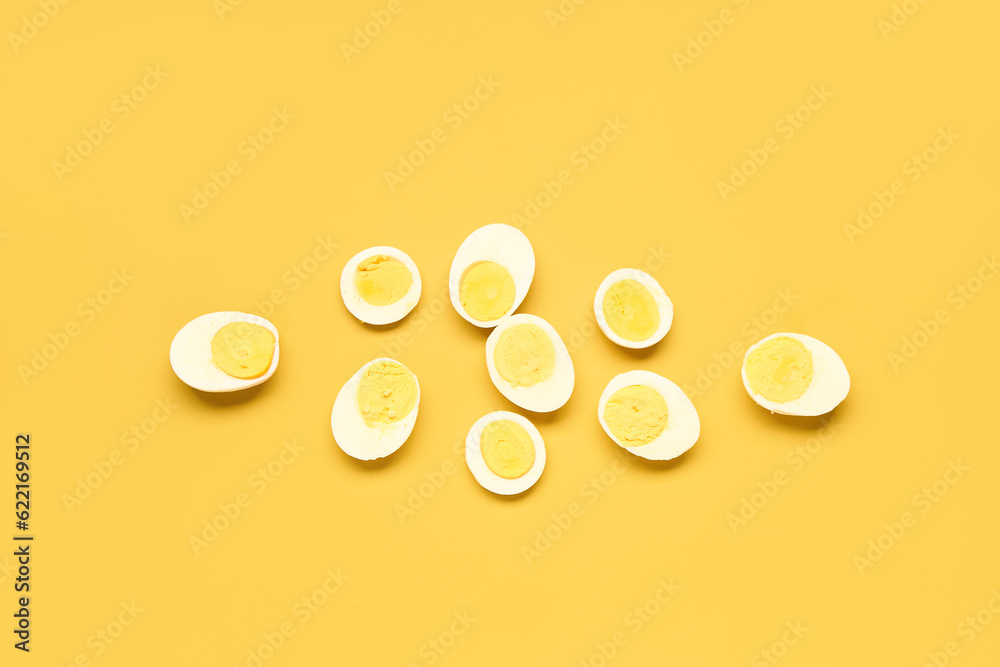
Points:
487	291
387	393
630	310
524	355
243	350
780	369
507	448
382	280
636	415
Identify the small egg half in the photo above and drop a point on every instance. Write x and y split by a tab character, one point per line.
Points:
794	374
505	453
380	285
376	409
491	274
529	363
225	351
648	415
632	309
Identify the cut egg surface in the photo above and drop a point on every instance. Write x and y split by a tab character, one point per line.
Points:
380	285
529	363
648	415
225	351
491	274
376	409
795	374
632	309
505	453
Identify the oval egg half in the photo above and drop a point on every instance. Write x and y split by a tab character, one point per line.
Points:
245	345
376	409
505	453
380	285
491	274
529	363
648	415
795	374
632	309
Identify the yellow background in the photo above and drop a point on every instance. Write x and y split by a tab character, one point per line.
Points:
654	190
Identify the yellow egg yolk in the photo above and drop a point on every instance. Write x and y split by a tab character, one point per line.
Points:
630	310
780	369
636	415
382	280
524	355
487	291
387	393
243	350
507	448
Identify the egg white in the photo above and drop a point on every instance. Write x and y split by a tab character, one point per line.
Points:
545	396
663	304
683	425
488	479
499	243
191	353
354	435
372	314
829	386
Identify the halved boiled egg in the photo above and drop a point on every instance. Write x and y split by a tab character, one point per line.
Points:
505	453
794	374
376	409
225	351
380	285
491	274
648	415
632	309
529	363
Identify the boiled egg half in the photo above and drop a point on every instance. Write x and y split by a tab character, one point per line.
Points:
632	309
225	351
529	363
380	285
648	415
505	453
794	374
376	409
491	274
